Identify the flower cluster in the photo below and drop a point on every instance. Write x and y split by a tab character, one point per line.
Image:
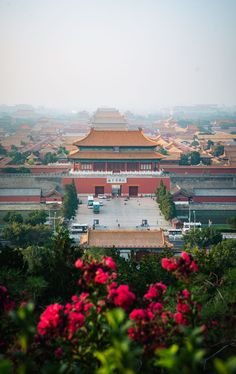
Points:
120	296
153	321
186	308
96	272
58	320
6	304
151	325
181	266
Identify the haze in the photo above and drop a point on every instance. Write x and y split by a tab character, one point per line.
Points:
136	54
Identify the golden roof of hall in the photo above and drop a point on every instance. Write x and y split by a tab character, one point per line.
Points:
116	138
125	239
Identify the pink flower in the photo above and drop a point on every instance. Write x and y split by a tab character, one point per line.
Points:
186	257
110	263
124	297
50	319
152	292
193	267
183	308
180	319
156	307
166	316
185	293
169	264
79	264
58	352
137	314
101	276
155	290
75	321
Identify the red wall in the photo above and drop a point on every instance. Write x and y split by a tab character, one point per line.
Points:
19	199
199	169
146	185
214	199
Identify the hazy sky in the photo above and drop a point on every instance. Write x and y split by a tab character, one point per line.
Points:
136	54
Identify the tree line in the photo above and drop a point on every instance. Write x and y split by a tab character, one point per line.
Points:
165	201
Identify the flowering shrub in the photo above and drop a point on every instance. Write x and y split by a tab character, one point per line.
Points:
6	304
182	266
106	328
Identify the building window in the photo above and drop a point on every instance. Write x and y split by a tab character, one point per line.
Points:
86	166
116	149
146	166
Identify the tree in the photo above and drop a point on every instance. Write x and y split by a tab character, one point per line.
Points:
11	217
210	143
219	151
167	206
165	201
50	158
70	201
202	237
184	160
195	158
232	222
24	235
3	152
36	217
161	191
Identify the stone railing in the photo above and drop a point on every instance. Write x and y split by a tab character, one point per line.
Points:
107	173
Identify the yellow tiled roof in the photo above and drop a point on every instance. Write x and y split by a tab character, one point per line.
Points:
126	239
116	139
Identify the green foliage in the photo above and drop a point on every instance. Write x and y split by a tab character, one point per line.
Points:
210	143
202	237
165	201
186	359
195	158
163	151
25	234
70	201
11	217
50	158
3	152
219	151
19	158
119	357
227	367
36	217
184	159
11	170
232	222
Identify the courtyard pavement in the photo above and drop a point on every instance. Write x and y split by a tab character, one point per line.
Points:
120	214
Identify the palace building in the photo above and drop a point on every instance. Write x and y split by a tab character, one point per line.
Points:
116	162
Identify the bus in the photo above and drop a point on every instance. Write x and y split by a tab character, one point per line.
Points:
90	201
191	225
175	234
78	228
96	207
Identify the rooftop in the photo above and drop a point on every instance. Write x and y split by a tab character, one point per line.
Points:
116	138
125	239
214	191
20	191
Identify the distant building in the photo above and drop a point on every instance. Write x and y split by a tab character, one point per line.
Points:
120	162
138	243
108	119
29	196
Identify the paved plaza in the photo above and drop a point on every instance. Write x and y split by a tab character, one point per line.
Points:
118	213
